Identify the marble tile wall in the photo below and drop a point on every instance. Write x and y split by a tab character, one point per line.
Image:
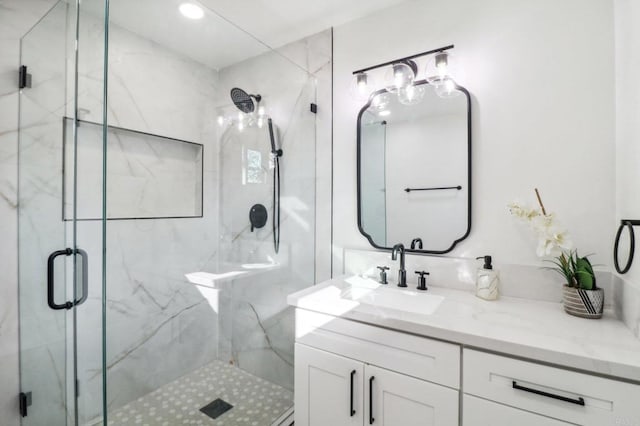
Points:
160	327
257	329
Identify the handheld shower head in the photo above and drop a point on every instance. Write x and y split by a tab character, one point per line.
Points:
272	138
244	101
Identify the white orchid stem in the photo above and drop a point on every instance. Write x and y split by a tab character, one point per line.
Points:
544	212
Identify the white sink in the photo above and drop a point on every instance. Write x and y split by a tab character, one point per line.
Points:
368	292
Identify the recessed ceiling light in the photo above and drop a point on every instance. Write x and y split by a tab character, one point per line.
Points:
191	10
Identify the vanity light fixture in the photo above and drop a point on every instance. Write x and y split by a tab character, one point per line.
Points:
191	11
400	77
440	68
360	86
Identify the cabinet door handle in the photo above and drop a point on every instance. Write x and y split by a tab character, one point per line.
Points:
352	412
371	419
578	401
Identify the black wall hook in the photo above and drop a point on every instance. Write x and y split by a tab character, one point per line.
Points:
629	224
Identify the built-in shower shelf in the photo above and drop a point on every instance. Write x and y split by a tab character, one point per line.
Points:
230	272
148	176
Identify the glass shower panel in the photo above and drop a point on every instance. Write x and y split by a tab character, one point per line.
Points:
197	321
59	263
88	188
161	327
41	231
256	324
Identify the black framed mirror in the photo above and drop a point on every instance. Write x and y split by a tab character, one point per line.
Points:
414	168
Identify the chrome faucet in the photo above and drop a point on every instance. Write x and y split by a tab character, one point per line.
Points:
402	272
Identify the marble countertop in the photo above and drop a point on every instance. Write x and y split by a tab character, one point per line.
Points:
536	330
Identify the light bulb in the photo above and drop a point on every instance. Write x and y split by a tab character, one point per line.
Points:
402	75
447	88
191	11
411	95
380	101
360	86
440	67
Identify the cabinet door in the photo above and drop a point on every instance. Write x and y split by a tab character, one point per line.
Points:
328	389
479	412
393	399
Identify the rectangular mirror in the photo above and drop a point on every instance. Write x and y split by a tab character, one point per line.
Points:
414	168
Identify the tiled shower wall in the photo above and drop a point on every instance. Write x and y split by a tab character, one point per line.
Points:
159	326
256	324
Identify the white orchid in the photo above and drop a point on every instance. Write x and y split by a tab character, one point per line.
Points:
552	240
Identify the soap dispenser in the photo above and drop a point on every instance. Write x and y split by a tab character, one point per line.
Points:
487	280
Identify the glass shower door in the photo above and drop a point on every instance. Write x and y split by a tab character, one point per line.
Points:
54	261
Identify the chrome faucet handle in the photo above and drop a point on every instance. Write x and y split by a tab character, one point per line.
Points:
422	281
383	274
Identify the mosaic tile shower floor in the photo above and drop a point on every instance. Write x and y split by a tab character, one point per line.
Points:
255	401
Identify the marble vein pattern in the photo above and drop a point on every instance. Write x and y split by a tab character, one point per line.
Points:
256	331
159	326
155	319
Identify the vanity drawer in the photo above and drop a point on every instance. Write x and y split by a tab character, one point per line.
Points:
480	412
562	394
423	358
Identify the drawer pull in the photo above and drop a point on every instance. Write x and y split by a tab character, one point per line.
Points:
371	419
352	412
579	401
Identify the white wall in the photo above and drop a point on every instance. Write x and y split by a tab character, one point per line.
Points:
627	20
541	77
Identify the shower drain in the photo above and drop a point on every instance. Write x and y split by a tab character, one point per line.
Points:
216	408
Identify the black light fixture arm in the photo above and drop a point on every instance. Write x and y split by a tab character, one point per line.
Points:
406	58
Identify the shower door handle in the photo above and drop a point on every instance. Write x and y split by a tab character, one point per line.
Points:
51	279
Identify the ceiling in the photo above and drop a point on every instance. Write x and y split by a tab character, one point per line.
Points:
234	30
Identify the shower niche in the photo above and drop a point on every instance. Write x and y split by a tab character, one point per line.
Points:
162	175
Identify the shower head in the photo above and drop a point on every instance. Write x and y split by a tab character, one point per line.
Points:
244	101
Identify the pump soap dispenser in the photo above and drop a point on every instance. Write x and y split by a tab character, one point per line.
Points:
487	280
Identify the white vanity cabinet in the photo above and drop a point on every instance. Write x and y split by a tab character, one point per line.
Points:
329	389
393	399
567	396
347	373
351	373
338	391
